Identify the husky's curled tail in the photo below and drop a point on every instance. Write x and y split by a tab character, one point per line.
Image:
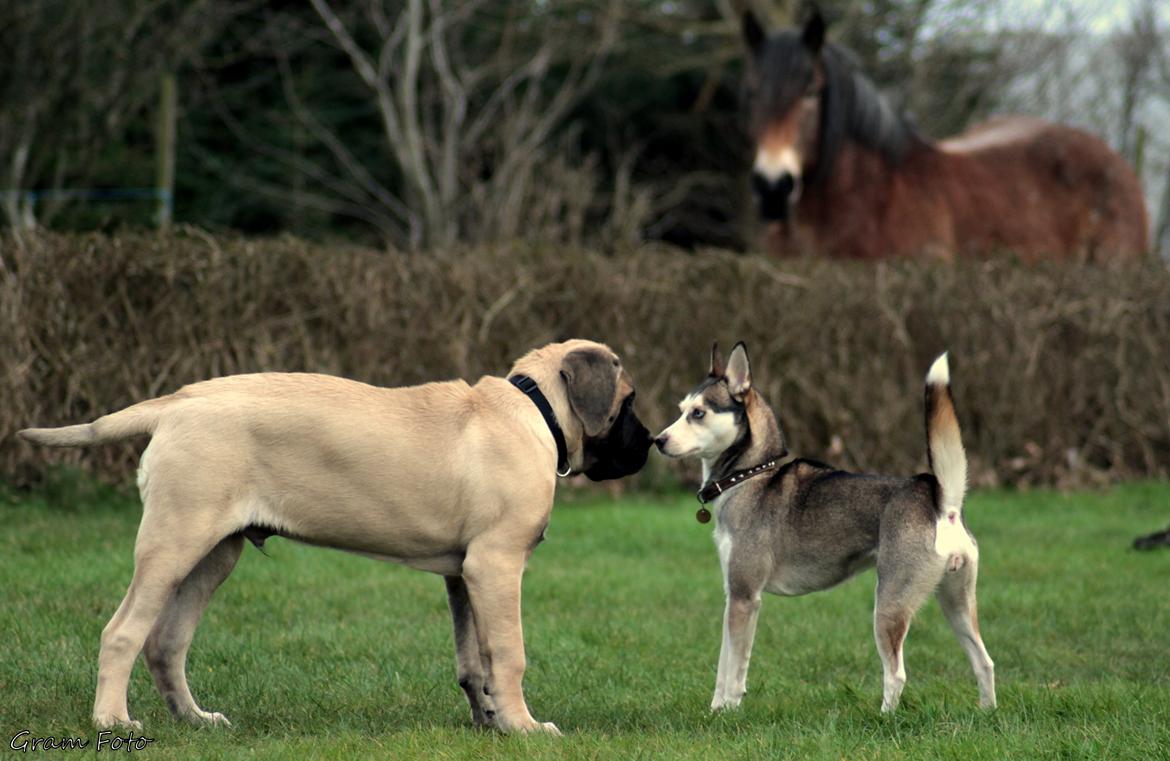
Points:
948	462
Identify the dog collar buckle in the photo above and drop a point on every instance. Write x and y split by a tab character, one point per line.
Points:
524	383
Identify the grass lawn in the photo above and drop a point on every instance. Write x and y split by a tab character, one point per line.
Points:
318	653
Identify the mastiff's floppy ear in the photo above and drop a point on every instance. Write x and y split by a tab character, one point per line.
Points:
591	378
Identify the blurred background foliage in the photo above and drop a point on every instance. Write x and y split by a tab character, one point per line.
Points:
1061	373
423	123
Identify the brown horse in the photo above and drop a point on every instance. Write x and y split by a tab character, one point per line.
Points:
839	173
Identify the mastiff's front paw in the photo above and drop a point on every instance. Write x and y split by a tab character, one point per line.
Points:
208	718
109	721
528	725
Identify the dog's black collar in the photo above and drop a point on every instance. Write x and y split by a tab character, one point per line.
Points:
533	392
715	488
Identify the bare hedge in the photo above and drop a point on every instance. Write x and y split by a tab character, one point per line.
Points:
1061	373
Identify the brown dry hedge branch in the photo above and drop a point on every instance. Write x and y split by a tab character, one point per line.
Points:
1062	374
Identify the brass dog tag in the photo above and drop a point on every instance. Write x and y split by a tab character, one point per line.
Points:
703	516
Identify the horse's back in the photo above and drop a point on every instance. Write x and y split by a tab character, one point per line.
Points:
997	134
1061	178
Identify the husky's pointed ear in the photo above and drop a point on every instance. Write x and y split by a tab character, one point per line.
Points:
753	32
739	372
813	34
718	367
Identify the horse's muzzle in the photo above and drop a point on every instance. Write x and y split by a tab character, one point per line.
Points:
775	197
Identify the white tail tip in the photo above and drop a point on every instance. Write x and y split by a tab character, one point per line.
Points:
940	372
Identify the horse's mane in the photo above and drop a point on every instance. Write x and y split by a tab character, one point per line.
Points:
853	108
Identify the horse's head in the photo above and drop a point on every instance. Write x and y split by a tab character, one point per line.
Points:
786	78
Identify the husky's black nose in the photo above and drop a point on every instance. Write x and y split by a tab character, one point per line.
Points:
660	441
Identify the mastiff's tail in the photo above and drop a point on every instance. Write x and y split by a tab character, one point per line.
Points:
135	420
944	441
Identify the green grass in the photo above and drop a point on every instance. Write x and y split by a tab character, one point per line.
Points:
318	653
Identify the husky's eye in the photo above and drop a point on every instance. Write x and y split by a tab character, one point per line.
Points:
698	414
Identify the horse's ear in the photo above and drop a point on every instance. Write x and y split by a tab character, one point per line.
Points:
813	34
753	33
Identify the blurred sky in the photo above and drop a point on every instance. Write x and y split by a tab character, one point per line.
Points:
1092	16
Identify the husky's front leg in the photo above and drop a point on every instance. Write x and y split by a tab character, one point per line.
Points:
739	631
721	673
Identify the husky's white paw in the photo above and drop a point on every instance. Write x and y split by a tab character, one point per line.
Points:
720	703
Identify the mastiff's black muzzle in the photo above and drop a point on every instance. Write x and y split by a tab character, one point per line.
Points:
622	451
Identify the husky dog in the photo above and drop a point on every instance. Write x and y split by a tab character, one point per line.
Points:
803	526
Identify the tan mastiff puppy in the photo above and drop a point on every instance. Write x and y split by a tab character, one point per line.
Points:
444	477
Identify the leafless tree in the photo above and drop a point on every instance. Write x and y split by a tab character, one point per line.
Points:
1138	48
76	76
1144	59
471	101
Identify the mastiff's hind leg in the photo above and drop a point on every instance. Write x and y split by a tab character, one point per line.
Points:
166	647
468	663
163	558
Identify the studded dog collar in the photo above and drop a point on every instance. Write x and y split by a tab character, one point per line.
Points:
715	488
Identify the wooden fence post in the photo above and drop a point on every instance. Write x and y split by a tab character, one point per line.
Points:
166	150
